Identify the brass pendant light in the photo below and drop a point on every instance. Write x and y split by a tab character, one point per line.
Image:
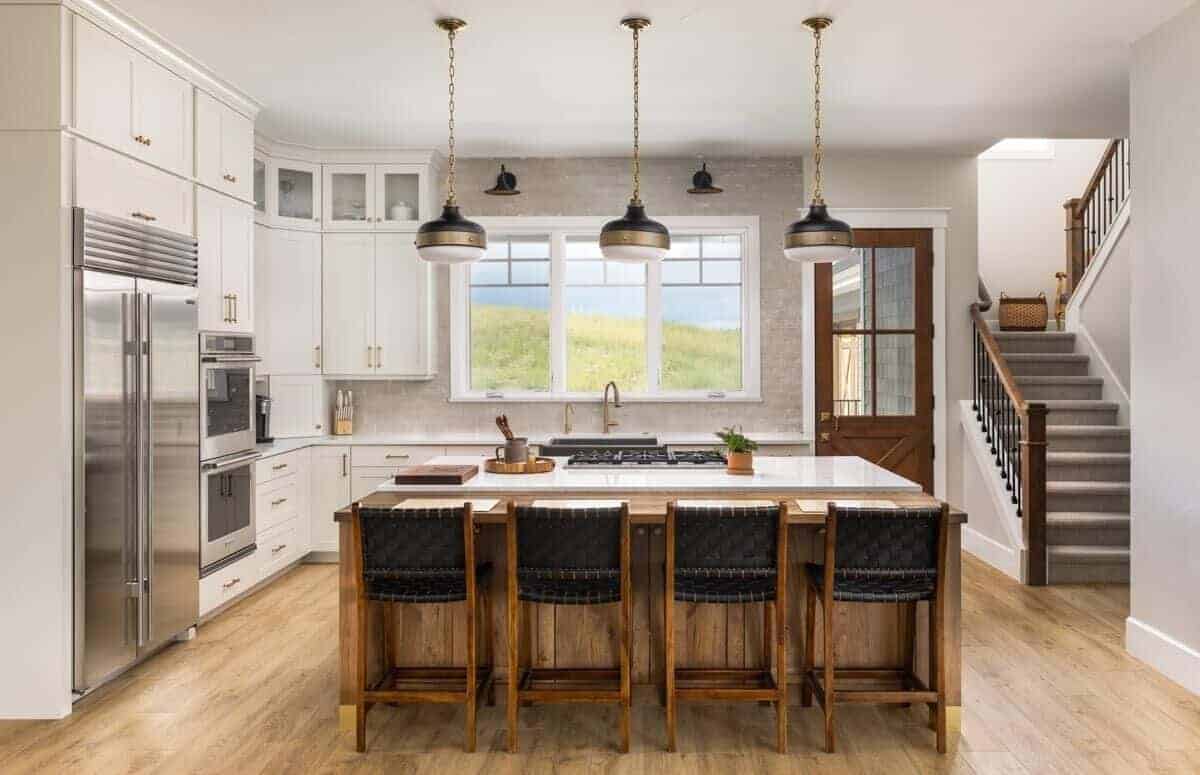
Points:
451	239
635	238
817	237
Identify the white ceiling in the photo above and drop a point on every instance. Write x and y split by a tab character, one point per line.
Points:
719	77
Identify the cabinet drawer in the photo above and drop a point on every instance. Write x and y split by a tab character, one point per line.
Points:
280	546
224	585
276	467
392	456
276	502
114	184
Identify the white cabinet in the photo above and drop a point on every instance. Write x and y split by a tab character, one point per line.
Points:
114	184
224	147
127	101
294	194
365	197
348	317
298	406
282	495
287	288
373	465
260	190
330	492
228	583
365	481
225	232
378	307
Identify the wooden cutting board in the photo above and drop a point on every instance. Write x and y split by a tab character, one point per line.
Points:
435	474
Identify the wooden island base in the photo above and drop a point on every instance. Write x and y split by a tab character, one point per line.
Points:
712	636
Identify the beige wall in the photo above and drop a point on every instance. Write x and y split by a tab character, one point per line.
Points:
772	189
1164	622
1021	243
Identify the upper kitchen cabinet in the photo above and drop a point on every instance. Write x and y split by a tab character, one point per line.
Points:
287	287
294	194
378	307
127	101
225	231
224	147
362	197
111	183
260	190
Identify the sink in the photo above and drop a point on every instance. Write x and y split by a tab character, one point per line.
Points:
565	446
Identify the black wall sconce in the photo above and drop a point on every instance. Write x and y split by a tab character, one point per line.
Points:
506	184
702	182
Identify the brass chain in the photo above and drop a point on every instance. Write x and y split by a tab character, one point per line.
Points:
817	150
450	200
637	163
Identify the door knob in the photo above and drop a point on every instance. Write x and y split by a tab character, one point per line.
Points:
824	437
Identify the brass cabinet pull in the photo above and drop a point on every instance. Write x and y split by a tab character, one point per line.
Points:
230	178
278	502
141	139
345	470
279	467
378	356
824	437
396	457
317	356
278	549
234	298
143	216
370	353
232	582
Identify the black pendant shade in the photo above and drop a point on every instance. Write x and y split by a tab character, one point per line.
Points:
818	236
452	238
506	184
635	237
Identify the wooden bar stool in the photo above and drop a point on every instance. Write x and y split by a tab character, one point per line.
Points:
568	556
421	556
878	556
729	554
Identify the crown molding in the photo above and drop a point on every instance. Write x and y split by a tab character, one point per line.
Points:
144	39
281	149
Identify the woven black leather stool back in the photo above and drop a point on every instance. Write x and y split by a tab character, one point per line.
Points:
897	541
550	539
397	543
726	537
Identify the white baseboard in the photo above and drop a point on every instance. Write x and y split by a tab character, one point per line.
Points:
1006	559
1175	660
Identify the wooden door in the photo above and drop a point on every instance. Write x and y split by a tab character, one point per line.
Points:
874	353
348	317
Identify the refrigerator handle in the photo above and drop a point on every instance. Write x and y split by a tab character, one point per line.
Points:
145	463
130	376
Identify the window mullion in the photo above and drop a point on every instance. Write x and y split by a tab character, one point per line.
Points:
558	318
654	327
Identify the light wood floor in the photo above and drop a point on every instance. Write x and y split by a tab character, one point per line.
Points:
1048	689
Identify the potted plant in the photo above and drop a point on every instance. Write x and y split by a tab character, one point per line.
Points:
739	449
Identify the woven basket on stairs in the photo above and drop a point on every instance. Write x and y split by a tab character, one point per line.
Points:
1028	313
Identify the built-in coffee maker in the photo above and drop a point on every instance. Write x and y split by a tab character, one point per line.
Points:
262	416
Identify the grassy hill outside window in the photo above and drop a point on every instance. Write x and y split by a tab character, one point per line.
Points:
544	317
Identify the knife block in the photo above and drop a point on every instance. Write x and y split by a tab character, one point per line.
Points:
343	427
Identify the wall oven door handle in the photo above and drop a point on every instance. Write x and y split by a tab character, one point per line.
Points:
230	359
221	466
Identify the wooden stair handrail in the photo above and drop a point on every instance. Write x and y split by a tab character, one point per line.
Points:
1007	380
1090	217
1093	184
1032	450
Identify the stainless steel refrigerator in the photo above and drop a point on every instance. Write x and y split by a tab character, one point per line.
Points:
137	442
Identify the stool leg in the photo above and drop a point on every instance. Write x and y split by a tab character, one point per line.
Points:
514	671
829	680
669	626
626	688
810	647
781	730
937	630
490	643
360	716
767	638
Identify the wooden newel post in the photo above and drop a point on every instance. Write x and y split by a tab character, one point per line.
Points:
1033	495
1074	232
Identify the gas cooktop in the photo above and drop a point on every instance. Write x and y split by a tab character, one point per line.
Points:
617	457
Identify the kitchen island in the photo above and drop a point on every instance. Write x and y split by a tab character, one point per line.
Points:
708	635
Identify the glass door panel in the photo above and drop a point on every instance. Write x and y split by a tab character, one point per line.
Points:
895	283
348	195
296	194
852	375
260	186
398	191
895	374
852	292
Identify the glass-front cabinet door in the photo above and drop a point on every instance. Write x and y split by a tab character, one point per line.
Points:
400	196
295	195
260	190
349	197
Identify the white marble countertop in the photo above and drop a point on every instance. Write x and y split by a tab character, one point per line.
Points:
790	475
283	446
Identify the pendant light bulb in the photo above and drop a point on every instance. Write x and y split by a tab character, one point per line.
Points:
817	238
451	238
635	238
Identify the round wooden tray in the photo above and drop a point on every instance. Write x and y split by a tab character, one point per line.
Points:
539	465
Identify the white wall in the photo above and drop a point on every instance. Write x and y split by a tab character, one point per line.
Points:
1164	623
1021	219
1103	312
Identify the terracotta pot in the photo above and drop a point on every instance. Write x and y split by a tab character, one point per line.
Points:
740	462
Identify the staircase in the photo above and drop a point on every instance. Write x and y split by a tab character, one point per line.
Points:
1087	458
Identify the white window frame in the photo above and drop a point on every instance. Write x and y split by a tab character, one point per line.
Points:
559	228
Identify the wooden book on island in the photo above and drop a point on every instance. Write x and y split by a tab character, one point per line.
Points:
435	474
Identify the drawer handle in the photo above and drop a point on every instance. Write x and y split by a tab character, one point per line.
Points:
232	582
143	216
230	178
279	502
141	139
278	549
396	457
279	467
